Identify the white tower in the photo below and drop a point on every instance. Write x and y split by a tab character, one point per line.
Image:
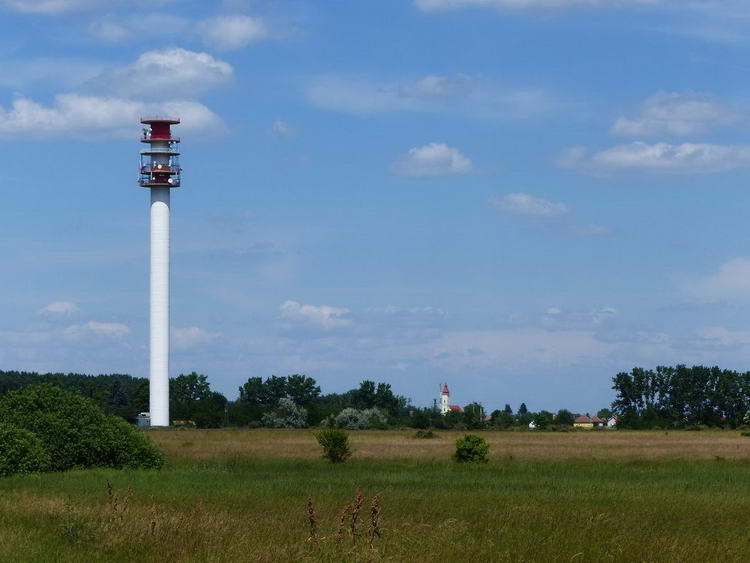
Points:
445	399
160	171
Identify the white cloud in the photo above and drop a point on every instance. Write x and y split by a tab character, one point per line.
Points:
719	338
681	114
591	230
658	157
191	337
115	331
516	349
282	129
322	316
50	7
91	116
458	93
435	159
525	204
60	308
440	5
109	30
231	32
731	283
172	72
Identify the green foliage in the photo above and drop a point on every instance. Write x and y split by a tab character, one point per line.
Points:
473	416
425	434
502	419
471	448
75	432
681	397
287	415
360	419
191	398
564	417
335	444
117	394
21	451
543	419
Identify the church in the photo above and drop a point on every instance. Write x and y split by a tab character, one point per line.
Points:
445	399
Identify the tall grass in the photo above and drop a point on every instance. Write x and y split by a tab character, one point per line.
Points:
240	507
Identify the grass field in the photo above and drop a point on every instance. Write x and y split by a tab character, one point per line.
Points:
241	496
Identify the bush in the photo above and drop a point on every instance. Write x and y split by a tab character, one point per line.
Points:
335	444
356	419
287	415
21	451
75	432
471	448
425	434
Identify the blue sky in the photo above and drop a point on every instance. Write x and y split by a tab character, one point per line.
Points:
518	197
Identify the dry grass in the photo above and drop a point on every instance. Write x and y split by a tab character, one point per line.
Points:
268	496
401	445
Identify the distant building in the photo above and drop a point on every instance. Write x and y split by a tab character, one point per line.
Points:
612	422
588	422
445	405
143	420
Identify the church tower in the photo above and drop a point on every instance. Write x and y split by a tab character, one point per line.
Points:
444	399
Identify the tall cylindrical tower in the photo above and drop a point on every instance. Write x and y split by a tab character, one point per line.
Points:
160	171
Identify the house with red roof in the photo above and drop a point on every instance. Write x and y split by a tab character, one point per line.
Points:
588	422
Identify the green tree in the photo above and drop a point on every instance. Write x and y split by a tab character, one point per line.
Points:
564	417
302	390
473	416
522	410
543	419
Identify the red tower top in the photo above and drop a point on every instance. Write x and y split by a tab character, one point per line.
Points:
445	389
160	166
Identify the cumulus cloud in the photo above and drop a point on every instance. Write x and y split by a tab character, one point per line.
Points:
191	337
458	93
680	114
658	157
435	159
731	283
231	31
60	308
172	72
525	204
322	316
113	331
79	115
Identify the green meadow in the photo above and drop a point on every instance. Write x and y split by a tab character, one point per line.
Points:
243	496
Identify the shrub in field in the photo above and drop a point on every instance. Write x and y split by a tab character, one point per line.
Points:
360	419
425	434
287	415
471	448
335	444
21	451
75	432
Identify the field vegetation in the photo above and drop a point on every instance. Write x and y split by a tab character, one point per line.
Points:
268	495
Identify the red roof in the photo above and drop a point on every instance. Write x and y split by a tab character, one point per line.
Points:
455	408
596	419
583	418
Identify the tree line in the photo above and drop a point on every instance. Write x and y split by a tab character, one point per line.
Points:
681	397
665	397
